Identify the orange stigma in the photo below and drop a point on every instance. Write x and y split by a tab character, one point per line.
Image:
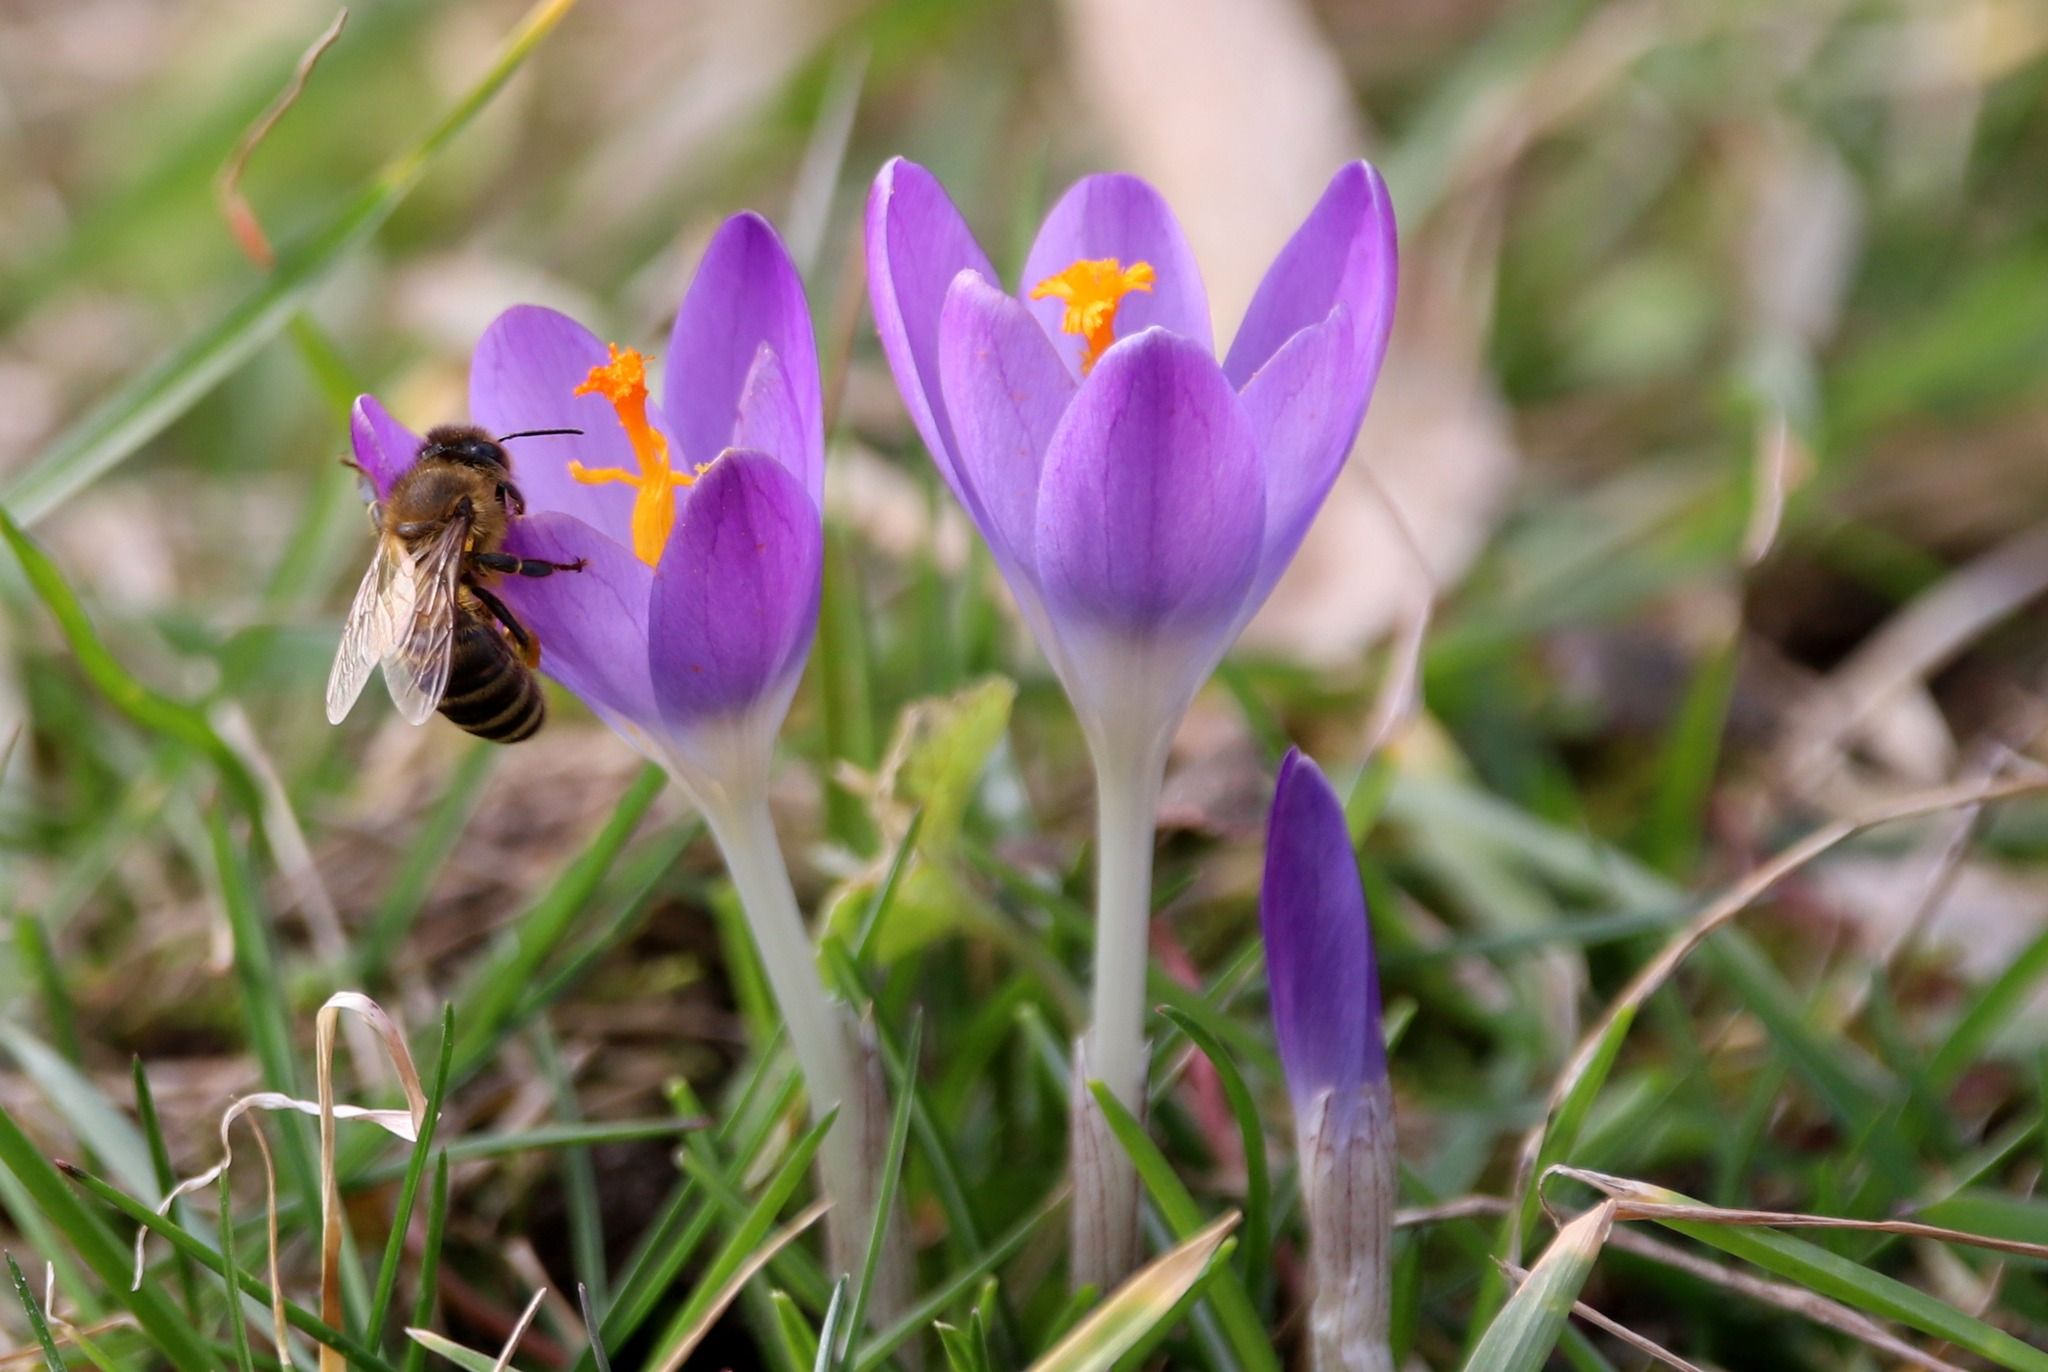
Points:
1092	288
623	382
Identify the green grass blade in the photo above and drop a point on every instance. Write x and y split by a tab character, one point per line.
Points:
488	1012
891	1178
1148	1302
1225	1293
102	1128
141	409
160	1165
431	845
152	710
32	945
454	1352
829	1328
747	1235
408	1191
1258	1184
182	1239
52	1359
265	1015
430	1262
799	1341
1852	1284
90	1241
878	1348
1684	772
1990	1011
1561	1133
238	1326
579	1177
1521	1337
845	691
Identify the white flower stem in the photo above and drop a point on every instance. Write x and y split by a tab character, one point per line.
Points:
821	1031
1128	776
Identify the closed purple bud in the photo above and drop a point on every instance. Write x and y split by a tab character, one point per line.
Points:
1326	1016
1319	958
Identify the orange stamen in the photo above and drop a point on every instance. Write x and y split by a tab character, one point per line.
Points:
1092	288
623	382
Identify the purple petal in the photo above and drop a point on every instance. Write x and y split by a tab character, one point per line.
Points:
746	293
771	421
1304	417
916	244
592	624
1006	390
384	447
1122	217
736	595
524	375
1344	251
1151	508
1319	960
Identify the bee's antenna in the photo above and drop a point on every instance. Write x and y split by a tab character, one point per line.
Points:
536	433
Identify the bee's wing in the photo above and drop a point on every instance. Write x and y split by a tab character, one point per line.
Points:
383	605
416	666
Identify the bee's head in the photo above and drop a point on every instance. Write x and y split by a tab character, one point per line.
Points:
470	447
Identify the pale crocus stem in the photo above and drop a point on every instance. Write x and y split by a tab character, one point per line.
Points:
1105	1217
1348	1186
821	1030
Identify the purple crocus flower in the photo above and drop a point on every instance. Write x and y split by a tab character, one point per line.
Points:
1140	497
699	520
1325	992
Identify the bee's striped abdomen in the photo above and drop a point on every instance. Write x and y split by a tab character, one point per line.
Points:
491	693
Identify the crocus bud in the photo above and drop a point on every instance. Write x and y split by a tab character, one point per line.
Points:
1326	1017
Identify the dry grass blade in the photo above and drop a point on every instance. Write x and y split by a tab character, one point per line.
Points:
1464	1207
1732	902
1528	1325
1648	1347
234	206
261	1100
1775	451
63	1332
729	1293
1796	1300
1918	640
404	1124
1636	1200
519	1330
330	1184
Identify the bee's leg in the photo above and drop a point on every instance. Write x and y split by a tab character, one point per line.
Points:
522	638
524	566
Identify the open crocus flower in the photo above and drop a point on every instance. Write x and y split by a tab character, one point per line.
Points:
1140	497
1325	992
698	519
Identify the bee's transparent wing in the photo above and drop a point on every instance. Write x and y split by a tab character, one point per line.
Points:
383	605
416	667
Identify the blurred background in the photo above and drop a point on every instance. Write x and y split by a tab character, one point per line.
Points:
1707	472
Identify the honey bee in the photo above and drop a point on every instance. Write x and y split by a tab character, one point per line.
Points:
425	611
